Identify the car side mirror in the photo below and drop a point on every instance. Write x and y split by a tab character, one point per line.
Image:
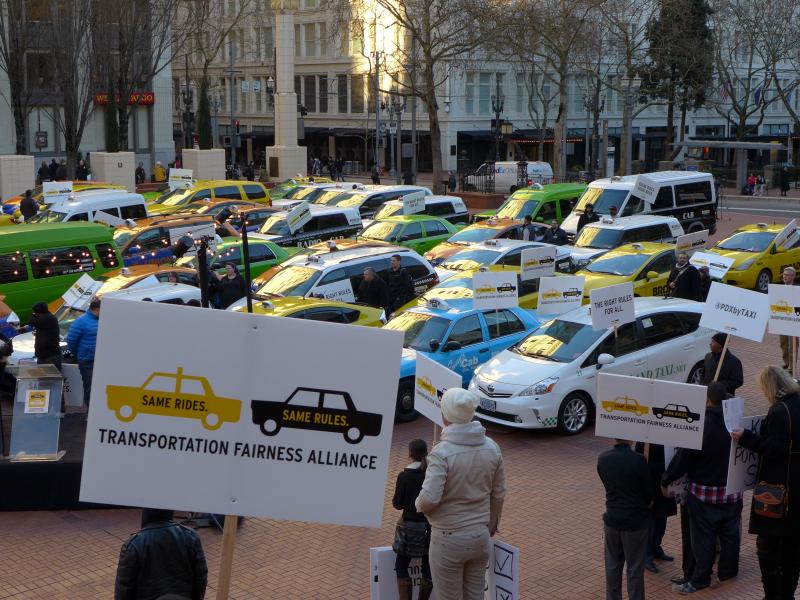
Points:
452	345
540	219
434	344
403	238
604	359
652	275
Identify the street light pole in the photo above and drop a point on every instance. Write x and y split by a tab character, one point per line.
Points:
498	100
398	108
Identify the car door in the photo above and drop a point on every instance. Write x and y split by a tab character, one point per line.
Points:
547	211
147	247
627	348
435	233
469	332
669	349
661	264
504	329
411	236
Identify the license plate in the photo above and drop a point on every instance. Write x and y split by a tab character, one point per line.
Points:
490	405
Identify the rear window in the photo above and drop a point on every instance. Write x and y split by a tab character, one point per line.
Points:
334	220
228	191
254	192
108	257
61	261
687	194
134	211
415	268
12	268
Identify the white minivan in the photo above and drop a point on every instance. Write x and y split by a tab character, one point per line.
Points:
506	176
116	206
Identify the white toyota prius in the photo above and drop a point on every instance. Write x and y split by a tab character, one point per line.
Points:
549	379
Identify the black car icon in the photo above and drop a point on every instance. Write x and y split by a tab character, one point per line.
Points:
506	287
676	411
546	259
571	292
318	410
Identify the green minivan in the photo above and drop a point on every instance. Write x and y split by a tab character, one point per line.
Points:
543	203
39	263
418	232
263	255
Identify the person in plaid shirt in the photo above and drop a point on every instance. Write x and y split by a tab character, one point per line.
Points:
712	511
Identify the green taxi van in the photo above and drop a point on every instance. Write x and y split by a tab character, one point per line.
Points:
39	263
418	232
544	203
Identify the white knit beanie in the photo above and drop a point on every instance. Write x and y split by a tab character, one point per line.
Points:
458	405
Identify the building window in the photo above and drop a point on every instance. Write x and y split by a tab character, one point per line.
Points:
223	85
484	93
264	43
310	93
323	93
298	90
243	95
310	38
258	92
297	41
341	92
357	37
357	94
776	129
309	4
323	39
469	94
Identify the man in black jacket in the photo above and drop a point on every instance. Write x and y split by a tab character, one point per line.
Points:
28	206
555	235
162	558
731	373
47	337
401	285
713	513
629	491
373	290
684	279
588	216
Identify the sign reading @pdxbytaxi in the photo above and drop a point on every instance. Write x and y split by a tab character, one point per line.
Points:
612	306
691	242
560	294
241	426
56	191
179	178
298	216
650	410
495	289
743	313
784	309
413	203
432	380
717	265
538	262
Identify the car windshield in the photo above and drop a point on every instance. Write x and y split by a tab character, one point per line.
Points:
355	199
471	258
381	230
302	192
279	191
517	208
294	280
602	199
622	264
748	241
598	237
276	225
388	210
121	237
559	341
419	329
330	197
478	234
48	216
66	316
175	198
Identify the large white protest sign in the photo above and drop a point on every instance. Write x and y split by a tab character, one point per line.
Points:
495	289
538	262
650	410
73	384
560	294
80	293
432	380
413	203
742	313
787	236
691	242
784	309
173	426
717	265
646	188
298	216
612	306
54	192
179	179
341	290
743	463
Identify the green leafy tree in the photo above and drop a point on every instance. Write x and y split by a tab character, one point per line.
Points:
204	118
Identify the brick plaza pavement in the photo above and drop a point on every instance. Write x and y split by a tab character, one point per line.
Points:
553	514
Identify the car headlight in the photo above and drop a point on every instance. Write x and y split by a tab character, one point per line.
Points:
745	265
545	386
582	262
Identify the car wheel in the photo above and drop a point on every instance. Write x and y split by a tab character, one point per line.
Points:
689	419
763	281
211	421
270	427
659	416
353	435
125	413
609	409
695	227
404	412
697	374
573	414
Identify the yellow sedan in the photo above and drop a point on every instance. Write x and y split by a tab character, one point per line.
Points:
316	309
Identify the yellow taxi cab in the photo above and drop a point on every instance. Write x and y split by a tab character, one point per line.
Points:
756	260
477	233
176	201
624	404
646	264
174	395
317	309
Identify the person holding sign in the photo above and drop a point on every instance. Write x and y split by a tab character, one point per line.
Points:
81	340
774	518
684	280
788	275
731	373
462	497
409	484
47	337
712	512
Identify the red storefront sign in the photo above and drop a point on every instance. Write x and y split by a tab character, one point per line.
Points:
140	98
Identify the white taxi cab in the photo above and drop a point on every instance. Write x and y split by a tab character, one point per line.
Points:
549	379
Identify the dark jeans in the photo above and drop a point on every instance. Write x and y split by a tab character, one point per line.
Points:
86	368
707	522
50	360
687	558
625	547
401	567
655	533
779	559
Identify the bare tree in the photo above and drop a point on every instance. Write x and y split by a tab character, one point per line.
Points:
16	40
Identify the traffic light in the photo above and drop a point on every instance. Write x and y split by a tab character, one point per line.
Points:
237	126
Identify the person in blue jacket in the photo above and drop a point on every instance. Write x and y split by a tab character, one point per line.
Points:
81	340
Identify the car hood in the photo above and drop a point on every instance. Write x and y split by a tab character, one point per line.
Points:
598	280
163	209
445	273
510	368
583	253
408	363
738	256
443	251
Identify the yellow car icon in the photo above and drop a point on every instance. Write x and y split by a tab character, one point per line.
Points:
486	290
552	294
174	395
425	385
625	404
781	307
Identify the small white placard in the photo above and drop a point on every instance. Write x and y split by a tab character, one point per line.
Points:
558	295
54	192
612	306
37	402
179	179
100	216
495	289
784	309
432	380
717	265
338	290
743	313
80	293
732	411
743	463
646	189
691	242
787	236
413	203
298	216
538	262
